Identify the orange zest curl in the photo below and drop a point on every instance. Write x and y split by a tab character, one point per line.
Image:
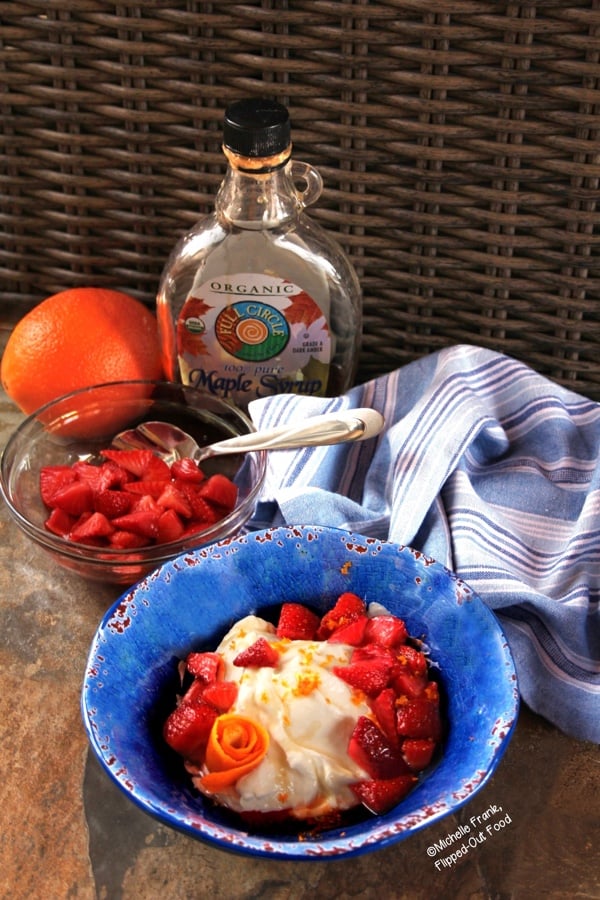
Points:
236	745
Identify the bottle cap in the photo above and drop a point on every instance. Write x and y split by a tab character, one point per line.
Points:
256	128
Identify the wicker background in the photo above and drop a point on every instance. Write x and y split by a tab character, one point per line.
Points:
459	143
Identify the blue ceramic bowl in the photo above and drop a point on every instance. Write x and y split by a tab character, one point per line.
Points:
189	603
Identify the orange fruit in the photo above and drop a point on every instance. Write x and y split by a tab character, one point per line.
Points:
78	338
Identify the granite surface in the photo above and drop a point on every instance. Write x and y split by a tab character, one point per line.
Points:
67	832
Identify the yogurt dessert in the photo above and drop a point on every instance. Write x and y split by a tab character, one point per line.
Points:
310	717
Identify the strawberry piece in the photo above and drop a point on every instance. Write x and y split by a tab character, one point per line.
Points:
297	622
408	685
171	498
52	478
112	503
414	660
141	521
127	540
151	488
145	503
417	753
389	631
144	464
75	498
113	475
205	666
187	728
187	469
59	522
194	692
170	527
381	795
347	608
100	478
203	513
384	708
260	653
371	750
418	717
371	676
193	528
221	694
381	655
219	490
352	634
94	526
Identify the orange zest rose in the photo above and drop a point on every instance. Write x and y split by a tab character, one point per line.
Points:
236	745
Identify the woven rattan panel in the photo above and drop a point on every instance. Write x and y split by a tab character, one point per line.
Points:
458	141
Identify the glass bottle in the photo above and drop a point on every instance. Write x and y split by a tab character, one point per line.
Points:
257	298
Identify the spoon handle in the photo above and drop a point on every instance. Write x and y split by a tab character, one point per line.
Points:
332	428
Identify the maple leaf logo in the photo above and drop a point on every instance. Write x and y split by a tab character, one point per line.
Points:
303	310
195	306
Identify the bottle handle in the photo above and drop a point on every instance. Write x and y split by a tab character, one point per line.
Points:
302	171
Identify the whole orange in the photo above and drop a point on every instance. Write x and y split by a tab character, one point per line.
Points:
78	338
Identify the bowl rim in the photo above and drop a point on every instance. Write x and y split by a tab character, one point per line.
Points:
380	831
155	554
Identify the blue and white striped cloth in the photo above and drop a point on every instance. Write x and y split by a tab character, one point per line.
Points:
492	470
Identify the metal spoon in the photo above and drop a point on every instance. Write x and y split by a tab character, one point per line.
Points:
171	443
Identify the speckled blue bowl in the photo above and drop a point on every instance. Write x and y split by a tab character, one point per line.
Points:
189	603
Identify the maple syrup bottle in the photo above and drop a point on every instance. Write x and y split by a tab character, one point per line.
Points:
257	299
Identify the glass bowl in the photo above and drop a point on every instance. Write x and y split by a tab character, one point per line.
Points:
81	424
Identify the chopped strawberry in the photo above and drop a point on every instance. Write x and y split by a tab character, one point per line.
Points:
414	660
221	694
260	653
94	526
60	522
376	652
194	527
127	540
205	666
348	607
418	718
188	727
100	478
389	631
194	692
112	503
171	498
370	749
144	464
145	503
52	478
381	795
170	527
75	498
134	483
220	490
297	622
406	684
384	708
352	633
418	753
371	677
202	511
187	469
150	488
142	522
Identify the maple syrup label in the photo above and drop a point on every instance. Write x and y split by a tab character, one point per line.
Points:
253	335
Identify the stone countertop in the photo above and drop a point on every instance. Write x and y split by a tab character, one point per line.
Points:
67	831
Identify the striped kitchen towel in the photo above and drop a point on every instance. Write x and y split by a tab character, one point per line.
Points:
494	471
